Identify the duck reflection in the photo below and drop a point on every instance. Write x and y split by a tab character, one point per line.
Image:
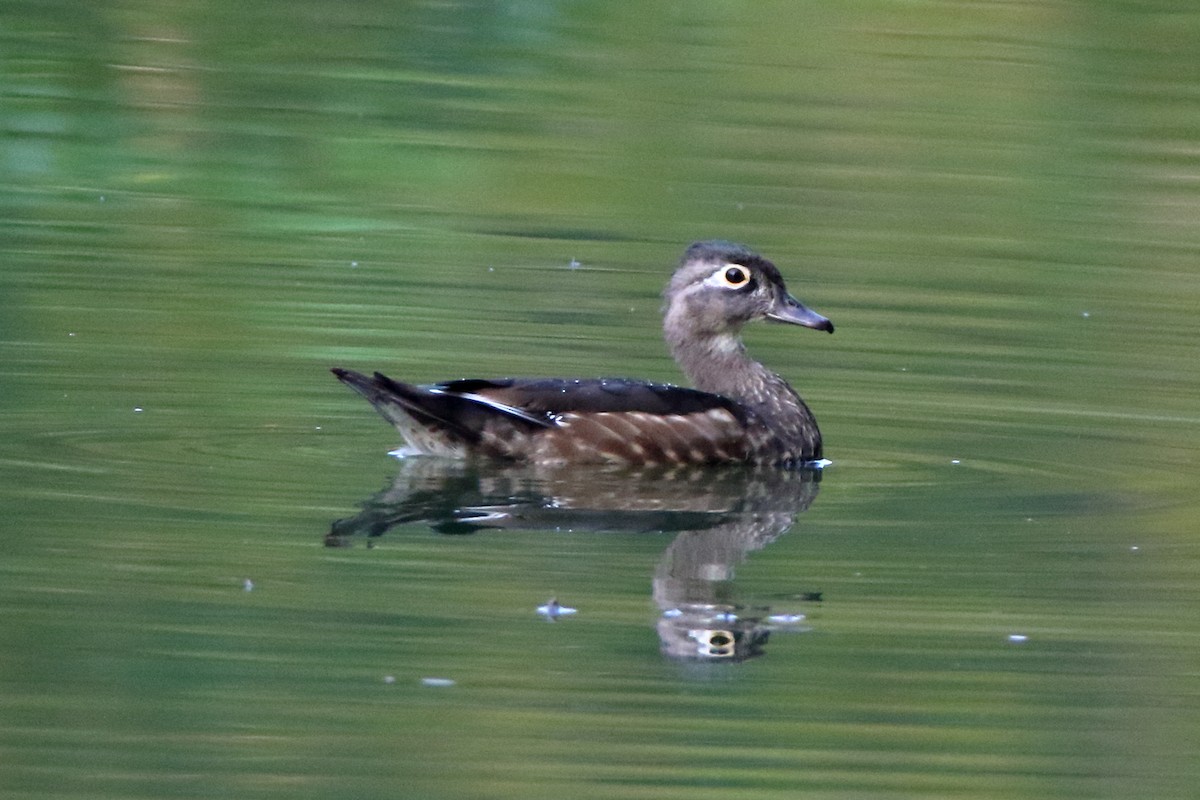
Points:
719	514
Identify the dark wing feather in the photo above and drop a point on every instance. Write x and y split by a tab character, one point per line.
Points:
557	419
593	395
434	406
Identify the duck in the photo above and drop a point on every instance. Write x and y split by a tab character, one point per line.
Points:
736	410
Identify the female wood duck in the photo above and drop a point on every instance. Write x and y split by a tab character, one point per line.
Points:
739	411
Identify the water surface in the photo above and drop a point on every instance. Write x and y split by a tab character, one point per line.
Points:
206	206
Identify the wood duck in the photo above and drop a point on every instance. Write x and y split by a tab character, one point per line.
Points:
739	411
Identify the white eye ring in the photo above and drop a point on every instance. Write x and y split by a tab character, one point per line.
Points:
730	276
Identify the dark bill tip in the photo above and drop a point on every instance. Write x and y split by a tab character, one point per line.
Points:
793	312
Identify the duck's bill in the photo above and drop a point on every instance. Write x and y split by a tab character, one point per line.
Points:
794	312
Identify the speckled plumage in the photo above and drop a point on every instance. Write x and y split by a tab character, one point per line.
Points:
739	411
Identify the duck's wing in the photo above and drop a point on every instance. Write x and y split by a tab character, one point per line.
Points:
557	419
460	416
614	420
589	396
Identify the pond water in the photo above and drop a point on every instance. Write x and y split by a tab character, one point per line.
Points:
991	592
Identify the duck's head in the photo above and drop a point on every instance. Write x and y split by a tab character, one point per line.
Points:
720	286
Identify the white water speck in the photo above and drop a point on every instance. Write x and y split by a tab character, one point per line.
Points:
1018	638
438	682
247	585
389	679
553	609
353	264
137	409
955	461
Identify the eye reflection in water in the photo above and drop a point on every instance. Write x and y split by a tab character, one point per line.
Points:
718	515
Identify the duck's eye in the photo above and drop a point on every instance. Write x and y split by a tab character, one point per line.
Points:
735	276
731	276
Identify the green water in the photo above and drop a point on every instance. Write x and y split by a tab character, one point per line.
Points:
204	206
